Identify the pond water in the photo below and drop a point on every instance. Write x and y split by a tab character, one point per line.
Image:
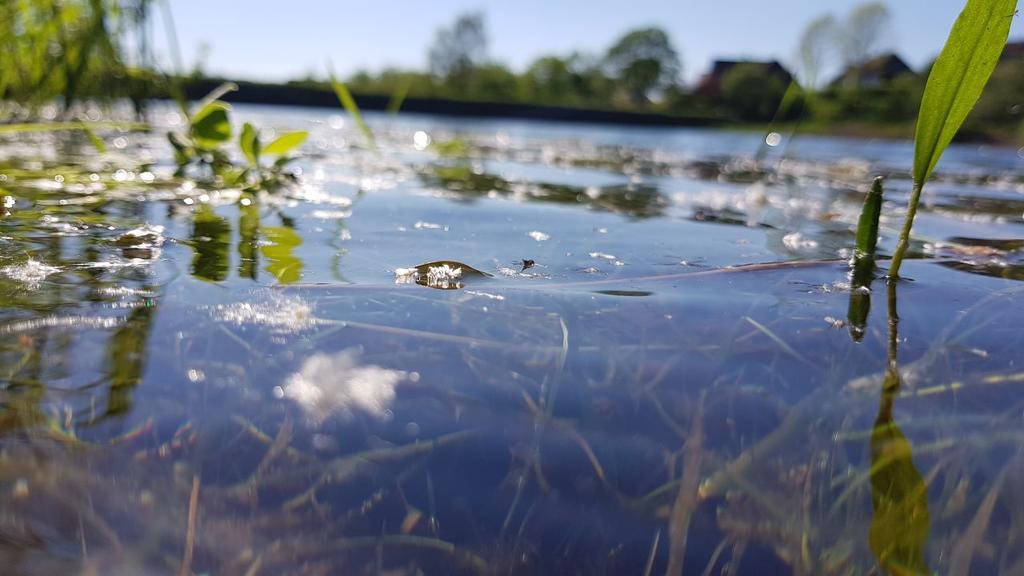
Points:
661	366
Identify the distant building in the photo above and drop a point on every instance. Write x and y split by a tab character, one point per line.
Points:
710	85
873	73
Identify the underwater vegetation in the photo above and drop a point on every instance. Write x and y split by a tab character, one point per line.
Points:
250	340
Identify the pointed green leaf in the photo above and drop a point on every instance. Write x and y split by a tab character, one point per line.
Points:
249	142
286	142
210	125
214	96
349	103
958	78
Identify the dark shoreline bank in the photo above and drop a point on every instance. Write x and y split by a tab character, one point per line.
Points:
257	93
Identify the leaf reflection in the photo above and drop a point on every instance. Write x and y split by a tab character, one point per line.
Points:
211	239
899	495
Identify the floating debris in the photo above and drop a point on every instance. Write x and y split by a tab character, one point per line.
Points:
336	385
31	273
441	274
143	242
528	264
421	225
797	241
602	256
539	236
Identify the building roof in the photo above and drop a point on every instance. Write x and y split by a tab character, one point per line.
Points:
710	83
873	72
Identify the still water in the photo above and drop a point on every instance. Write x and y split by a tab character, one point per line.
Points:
661	367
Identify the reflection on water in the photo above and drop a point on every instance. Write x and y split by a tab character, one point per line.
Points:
582	399
899	495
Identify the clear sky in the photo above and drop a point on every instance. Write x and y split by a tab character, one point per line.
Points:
284	39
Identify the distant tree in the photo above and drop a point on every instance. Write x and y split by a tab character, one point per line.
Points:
750	93
493	82
866	32
643	61
817	47
456	51
550	80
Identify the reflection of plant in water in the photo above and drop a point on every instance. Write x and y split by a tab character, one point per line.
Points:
899	495
634	200
127	351
211	241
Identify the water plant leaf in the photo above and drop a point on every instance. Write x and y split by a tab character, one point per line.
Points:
286	142
95	140
249	142
69	126
955	83
214	96
210	125
349	103
958	77
867	226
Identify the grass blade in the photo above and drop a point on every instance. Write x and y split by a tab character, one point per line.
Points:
349	103
954	85
398	97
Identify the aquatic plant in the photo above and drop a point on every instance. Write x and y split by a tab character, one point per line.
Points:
349	103
209	129
955	83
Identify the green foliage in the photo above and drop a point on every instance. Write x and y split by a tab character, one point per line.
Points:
210	127
286	142
750	93
349	103
249	142
201	148
644	60
458	50
64	50
867	226
955	83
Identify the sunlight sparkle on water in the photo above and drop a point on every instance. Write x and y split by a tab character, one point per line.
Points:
421	140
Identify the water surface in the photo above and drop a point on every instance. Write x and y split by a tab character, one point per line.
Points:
672	377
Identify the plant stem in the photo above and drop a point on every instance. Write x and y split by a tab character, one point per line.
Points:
908	223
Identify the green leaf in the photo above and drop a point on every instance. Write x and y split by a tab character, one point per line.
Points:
958	77
867	227
286	142
214	96
249	142
954	85
349	103
210	126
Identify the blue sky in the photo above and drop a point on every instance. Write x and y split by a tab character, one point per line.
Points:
283	39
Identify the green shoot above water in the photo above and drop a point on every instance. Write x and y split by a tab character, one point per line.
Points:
209	128
349	103
954	85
